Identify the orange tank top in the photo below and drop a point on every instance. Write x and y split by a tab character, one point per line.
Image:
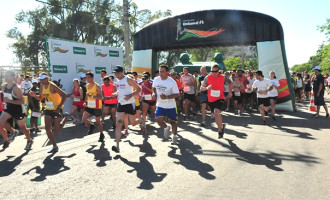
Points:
107	92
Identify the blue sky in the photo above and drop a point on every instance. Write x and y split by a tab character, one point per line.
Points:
299	19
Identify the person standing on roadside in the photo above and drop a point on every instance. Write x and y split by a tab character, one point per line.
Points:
318	89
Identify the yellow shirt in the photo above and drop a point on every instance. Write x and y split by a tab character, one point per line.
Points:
92	102
53	100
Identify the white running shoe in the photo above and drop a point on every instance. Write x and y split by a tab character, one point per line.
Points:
166	132
175	139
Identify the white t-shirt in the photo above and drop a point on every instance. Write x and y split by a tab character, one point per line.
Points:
167	87
262	86
249	85
26	85
328	79
299	83
273	92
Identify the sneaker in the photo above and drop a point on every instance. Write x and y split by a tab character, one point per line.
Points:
37	130
239	113
175	139
32	130
28	145
203	124
143	123
227	110
91	128
222	132
115	149
166	132
54	149
13	135
316	116
327	115
5	145
212	115
101	138
274	118
125	132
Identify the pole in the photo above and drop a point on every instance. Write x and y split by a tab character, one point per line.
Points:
127	35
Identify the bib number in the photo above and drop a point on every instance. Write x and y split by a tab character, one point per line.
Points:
147	97
36	114
91	103
76	99
49	104
215	93
186	89
8	96
237	94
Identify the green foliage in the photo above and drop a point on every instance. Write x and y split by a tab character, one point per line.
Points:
251	63
326	29
233	63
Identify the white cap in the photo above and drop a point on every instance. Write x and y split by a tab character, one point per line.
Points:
82	75
317	67
43	76
34	81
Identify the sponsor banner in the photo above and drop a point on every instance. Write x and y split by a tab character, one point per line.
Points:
142	61
79	50
99	52
58	47
99	69
113	53
80	68
60	69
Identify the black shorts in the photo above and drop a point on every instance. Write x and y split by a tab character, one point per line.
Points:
274	98
150	103
15	115
319	101
264	101
216	104
93	111
110	105
190	97
137	107
249	95
238	98
308	88
128	108
298	90
52	114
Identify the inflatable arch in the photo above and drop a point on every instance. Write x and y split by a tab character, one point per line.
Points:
213	28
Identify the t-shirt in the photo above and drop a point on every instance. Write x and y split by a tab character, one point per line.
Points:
273	92
167	87
262	86
26	85
316	84
34	103
328	80
249	85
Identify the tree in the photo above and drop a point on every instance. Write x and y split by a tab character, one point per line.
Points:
233	63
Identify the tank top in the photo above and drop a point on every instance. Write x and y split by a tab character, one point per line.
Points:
185	82
147	95
93	102
123	89
107	92
236	88
77	93
217	91
52	100
242	80
12	108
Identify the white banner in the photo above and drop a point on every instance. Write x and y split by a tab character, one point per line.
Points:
68	59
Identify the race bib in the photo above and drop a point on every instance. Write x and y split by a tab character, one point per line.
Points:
215	93
76	99
91	103
147	97
8	96
26	86
305	83
237	94
49	104
36	114
186	89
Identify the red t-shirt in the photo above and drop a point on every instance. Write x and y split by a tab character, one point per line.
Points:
107	92
217	91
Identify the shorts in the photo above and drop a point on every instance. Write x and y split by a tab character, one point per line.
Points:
249	95
298	90
138	107
319	101
274	98
79	105
190	97
167	112
150	103
93	111
237	98
204	98
308	88
110	105
128	108
264	101
216	104
15	115
52	114
226	94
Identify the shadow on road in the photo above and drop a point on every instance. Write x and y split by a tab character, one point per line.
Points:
7	167
102	155
51	167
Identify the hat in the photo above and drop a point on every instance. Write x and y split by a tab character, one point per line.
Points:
259	73
34	81
118	68
43	76
145	77
317	68
82	75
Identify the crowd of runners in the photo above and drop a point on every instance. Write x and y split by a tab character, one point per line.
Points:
128	99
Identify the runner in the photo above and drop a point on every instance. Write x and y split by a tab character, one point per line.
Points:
226	90
273	93
262	86
203	94
34	106
178	100
78	101
189	84
14	108
214	84
250	95
238	96
318	89
166	90
26	85
126	103
110	100
93	105
54	99
148	97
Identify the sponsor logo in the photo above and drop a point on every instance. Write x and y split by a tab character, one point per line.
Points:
184	33
60	69
98	52
79	50
80	68
113	53
56	47
98	69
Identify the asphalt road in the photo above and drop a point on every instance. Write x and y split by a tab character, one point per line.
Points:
285	159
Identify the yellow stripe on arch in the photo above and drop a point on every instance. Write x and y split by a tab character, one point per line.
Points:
140	70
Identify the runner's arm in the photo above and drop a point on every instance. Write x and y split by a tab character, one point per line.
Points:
19	94
137	88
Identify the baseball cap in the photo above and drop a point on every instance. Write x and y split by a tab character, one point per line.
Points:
145	77
34	81
118	68
317	68
82	75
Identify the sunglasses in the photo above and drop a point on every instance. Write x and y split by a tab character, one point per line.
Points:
214	71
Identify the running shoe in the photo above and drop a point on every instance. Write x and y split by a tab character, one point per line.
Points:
5	145
203	124
264	122
13	135
166	132
212	115
125	132
28	145
115	149
316	116
175	139
54	149
91	128
143	123
222	132
101	138
32	130
327	115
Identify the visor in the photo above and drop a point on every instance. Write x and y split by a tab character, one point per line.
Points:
43	76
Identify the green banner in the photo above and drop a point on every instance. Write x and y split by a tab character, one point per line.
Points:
98	69
60	69
113	53
79	50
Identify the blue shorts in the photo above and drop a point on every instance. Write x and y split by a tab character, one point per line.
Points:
167	112
203	97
